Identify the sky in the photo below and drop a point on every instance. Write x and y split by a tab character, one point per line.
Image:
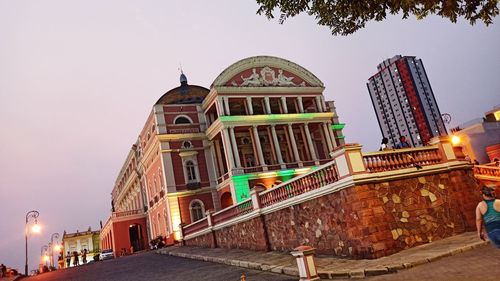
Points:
79	78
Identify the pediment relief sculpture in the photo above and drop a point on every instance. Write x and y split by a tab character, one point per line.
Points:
266	78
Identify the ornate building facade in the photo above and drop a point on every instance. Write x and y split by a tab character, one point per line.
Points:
263	121
79	241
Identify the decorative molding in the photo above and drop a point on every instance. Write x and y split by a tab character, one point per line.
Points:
268	90
266	78
266	61
179	137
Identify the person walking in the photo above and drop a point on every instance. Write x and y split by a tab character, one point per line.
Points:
84	256
68	259
488	214
76	261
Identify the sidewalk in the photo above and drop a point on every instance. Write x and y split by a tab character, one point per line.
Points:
330	267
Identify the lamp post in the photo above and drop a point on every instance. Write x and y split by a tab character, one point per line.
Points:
36	228
52	246
43	254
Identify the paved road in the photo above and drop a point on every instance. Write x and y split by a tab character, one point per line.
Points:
152	266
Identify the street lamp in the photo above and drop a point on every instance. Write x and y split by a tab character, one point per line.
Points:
36	229
43	254
52	247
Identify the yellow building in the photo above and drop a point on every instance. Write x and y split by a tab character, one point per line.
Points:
77	242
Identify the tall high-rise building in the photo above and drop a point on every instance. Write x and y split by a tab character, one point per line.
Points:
404	102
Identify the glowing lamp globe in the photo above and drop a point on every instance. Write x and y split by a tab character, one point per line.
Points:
46	258
455	140
36	228
57	248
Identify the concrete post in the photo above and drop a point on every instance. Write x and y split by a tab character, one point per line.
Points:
254	194
349	160
305	261
445	148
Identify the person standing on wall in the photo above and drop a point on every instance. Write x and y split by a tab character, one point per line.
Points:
488	214
403	143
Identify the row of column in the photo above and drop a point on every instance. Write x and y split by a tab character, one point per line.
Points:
232	153
223	105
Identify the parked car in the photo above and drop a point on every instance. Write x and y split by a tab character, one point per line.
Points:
107	254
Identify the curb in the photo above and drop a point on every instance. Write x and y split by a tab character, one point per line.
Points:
338	274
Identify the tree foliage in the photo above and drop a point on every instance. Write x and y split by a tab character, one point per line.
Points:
345	17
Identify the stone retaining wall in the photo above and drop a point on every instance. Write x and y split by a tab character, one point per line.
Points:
364	221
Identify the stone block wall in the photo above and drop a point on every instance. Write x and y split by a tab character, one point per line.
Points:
367	220
245	235
205	240
375	220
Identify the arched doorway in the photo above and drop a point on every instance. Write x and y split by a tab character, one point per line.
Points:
226	200
136	238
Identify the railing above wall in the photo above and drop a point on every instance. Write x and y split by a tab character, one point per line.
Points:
195	226
390	160
127	213
242	208
304	183
348	161
487	172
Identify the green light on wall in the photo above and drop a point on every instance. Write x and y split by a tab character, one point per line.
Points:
241	187
269	117
339	126
340	137
286	174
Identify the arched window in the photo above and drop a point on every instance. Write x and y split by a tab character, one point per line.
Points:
197	210
190	171
182	119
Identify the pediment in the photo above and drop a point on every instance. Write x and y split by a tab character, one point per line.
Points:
265	71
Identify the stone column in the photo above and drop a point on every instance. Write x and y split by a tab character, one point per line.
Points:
283	105
218	156
226	106
214	156
327	137
268	105
294	145
220	106
300	104
332	135
277	147
234	145
249	106
319	105
259	148
310	143
228	149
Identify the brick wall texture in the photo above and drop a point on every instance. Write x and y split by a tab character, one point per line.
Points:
366	221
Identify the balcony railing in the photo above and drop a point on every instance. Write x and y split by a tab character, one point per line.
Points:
127	213
401	158
233	211
195	226
193	185
487	171
320	177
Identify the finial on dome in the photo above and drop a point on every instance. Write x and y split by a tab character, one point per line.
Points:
183	77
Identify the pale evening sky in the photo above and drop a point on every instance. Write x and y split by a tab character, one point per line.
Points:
78	79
